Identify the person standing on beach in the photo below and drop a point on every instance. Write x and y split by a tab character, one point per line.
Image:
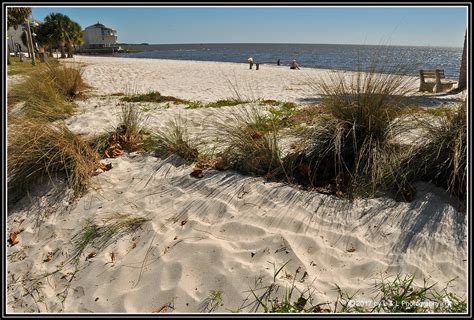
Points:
278	62
250	61
294	65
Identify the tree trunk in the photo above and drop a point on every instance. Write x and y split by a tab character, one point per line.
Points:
42	54
30	43
462	71
70	51
8	54
63	51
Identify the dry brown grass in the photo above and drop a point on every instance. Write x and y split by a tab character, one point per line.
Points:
41	150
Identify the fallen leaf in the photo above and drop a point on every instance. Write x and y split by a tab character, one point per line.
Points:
197	173
12	239
183	222
105	166
49	257
91	255
351	250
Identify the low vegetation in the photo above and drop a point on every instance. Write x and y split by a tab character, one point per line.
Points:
174	138
250	145
96	236
43	150
347	148
153	96
47	91
392	294
441	157
216	104
127	136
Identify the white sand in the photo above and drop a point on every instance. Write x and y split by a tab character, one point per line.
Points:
221	232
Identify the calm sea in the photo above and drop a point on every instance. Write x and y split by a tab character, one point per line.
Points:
345	57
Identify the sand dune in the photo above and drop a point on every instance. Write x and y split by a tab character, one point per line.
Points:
224	232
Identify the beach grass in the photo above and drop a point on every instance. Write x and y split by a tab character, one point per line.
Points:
347	148
174	138
250	144
440	156
128	135
99	236
43	150
399	293
47	92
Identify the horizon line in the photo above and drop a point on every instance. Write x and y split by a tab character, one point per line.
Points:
292	43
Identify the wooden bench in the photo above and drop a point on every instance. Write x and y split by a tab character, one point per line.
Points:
437	85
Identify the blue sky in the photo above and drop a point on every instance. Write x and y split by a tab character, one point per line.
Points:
422	26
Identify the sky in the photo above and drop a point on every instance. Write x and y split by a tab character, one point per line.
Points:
420	26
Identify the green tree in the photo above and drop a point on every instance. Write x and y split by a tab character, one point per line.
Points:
75	38
59	26
44	39
63	31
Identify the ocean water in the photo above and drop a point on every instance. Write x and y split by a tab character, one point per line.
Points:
329	56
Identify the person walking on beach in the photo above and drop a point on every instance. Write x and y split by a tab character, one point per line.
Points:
278	62
250	61
294	65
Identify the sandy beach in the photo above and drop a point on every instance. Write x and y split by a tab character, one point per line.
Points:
225	232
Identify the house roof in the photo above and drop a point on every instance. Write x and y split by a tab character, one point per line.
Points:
98	25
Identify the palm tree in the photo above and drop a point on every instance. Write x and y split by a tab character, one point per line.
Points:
462	71
17	16
44	39
63	31
58	24
75	38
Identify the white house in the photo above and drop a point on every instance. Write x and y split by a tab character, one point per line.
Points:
14	37
99	36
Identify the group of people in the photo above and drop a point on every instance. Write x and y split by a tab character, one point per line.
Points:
293	64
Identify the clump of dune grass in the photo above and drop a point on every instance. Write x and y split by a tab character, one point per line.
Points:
99	236
347	148
250	145
153	96
68	80
47	91
128	135
40	150
440	155
174	139
41	98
